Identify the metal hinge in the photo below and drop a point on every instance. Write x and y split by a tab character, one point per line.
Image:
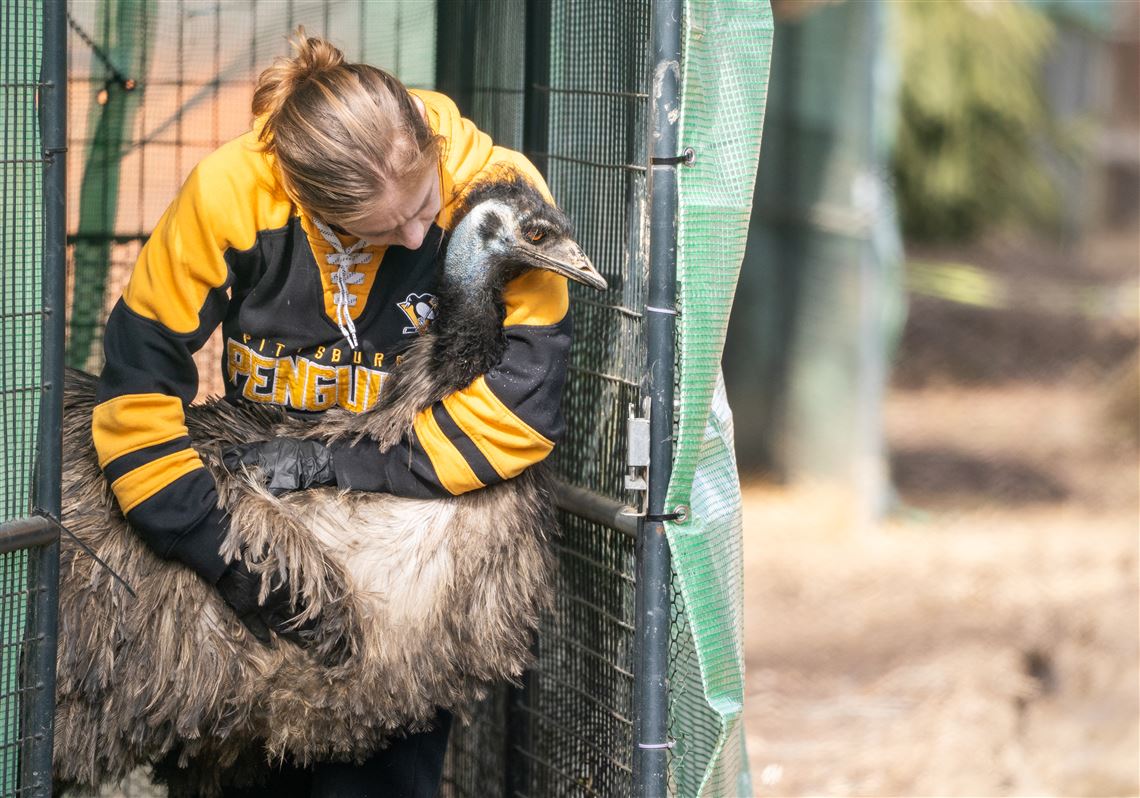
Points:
637	454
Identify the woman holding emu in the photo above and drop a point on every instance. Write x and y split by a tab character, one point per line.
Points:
312	240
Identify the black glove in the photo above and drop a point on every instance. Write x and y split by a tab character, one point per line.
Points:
287	463
239	587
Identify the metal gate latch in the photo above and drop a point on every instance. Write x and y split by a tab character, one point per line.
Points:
637	454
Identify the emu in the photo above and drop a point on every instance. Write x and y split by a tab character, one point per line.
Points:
437	599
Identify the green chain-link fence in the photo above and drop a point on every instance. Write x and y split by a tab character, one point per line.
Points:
31	123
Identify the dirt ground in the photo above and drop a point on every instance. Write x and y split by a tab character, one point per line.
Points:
983	639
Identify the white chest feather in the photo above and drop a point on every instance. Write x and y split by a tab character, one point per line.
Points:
395	551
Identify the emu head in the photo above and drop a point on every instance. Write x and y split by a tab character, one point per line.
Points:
506	227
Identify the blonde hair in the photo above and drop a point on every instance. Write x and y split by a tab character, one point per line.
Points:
340	133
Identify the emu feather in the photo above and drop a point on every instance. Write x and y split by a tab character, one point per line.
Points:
439	599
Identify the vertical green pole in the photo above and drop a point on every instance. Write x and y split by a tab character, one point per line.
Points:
128	34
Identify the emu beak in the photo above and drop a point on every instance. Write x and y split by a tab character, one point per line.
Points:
565	258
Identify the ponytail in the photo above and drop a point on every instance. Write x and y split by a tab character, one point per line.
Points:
340	133
313	56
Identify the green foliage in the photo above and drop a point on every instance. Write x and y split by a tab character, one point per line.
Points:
972	118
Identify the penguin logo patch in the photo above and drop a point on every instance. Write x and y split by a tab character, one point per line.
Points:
420	310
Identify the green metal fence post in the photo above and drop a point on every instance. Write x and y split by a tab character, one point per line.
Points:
41	670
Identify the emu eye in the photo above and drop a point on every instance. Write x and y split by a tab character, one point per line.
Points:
535	236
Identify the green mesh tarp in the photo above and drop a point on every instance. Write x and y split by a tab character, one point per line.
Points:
727	49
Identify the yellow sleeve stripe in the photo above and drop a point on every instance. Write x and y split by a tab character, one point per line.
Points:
128	423
452	470
135	487
508	442
538	298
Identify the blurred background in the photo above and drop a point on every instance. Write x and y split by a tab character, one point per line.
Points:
932	364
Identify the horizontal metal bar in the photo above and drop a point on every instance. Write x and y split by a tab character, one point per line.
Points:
591	699
495	90
166	83
603	376
114	238
622	309
555	640
595	507
628	167
174	143
601	612
27	533
608	569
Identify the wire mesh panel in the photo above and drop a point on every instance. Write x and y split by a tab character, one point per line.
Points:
21	586
13	601
595	156
20	250
580	71
481	63
568	731
26	588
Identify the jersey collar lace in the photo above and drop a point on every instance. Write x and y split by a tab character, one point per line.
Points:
343	277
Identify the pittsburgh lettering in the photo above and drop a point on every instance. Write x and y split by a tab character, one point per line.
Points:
304	383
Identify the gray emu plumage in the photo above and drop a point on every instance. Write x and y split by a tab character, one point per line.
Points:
438	599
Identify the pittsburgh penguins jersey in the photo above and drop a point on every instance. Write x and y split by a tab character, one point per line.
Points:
310	322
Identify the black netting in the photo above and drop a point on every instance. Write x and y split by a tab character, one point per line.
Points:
583	115
482	62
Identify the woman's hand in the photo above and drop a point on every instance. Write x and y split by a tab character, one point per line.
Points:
240	588
286	463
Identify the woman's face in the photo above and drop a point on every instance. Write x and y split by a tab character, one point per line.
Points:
401	215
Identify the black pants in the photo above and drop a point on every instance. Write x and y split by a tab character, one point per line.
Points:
409	768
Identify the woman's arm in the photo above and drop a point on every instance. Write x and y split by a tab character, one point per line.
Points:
174	300
509	418
503	422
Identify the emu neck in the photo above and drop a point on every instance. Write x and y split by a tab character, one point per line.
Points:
468	328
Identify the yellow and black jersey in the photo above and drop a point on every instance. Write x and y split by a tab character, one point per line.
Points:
232	250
